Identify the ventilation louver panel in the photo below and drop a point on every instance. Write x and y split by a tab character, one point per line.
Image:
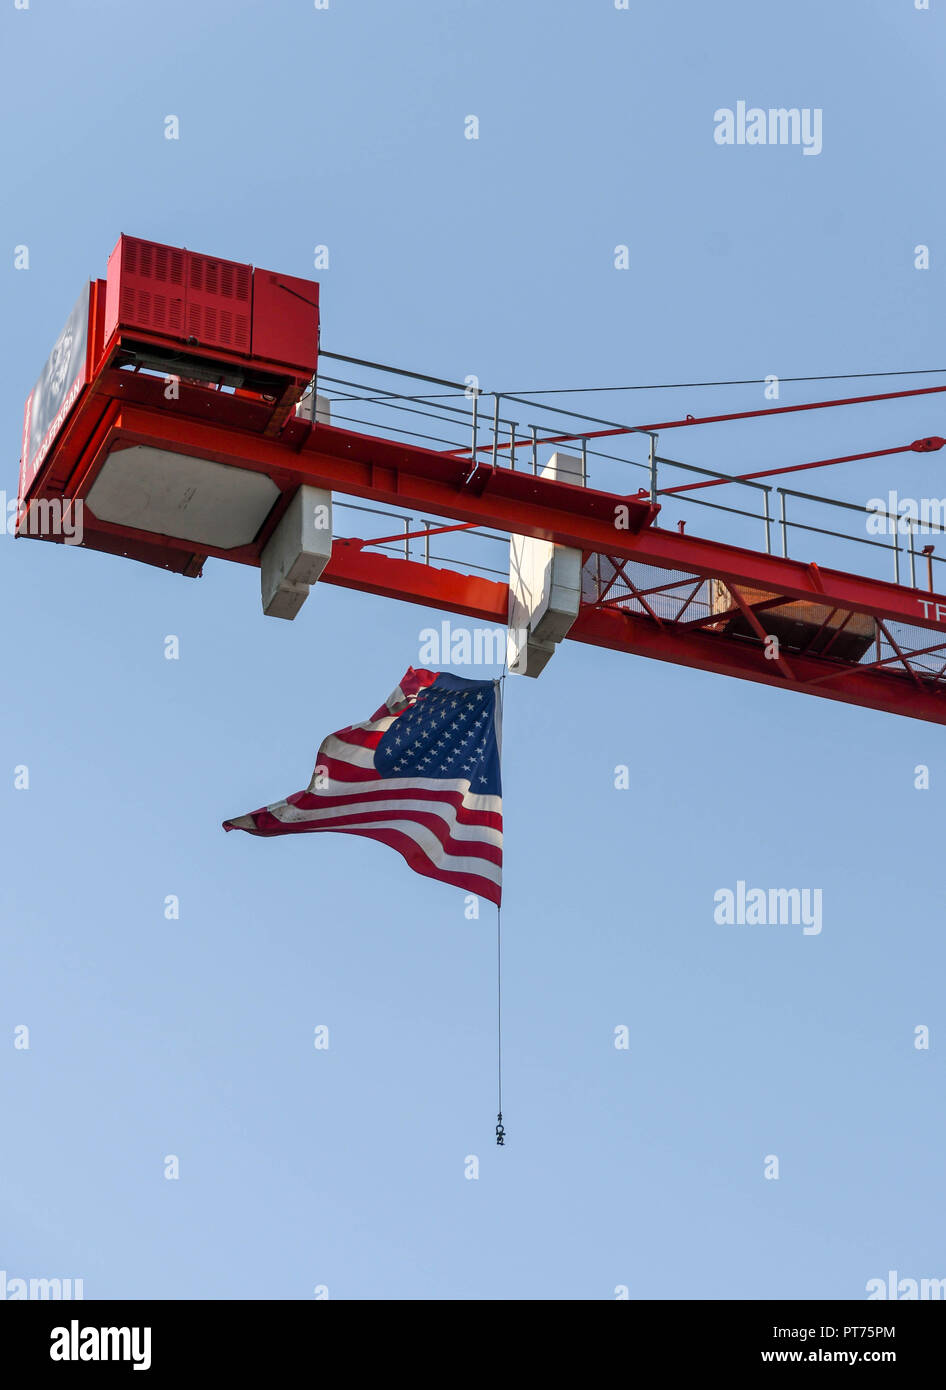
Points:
219	303
146	287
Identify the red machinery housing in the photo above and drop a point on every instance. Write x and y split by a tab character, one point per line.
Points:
195	334
219	320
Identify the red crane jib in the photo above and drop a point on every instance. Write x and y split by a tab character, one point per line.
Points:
190	360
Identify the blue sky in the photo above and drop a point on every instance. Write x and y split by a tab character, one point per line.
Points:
345	1167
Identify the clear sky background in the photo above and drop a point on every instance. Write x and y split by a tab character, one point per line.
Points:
345	1167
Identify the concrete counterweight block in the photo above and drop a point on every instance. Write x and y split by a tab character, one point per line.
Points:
297	552
544	587
301	546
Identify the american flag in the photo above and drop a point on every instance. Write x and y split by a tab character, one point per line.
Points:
421	775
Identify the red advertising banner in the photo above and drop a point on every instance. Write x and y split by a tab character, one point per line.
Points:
59	386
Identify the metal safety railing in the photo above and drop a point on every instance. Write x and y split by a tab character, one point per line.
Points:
461	420
428	526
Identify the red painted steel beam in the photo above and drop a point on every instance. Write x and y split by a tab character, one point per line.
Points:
399	475
392	473
748	613
414	582
871	688
421	479
791	578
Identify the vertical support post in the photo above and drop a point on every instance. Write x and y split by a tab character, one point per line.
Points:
896	552
653	468
495	429
535	450
512	446
912	554
768	521
407	532
584	462
426	541
476	396
783	521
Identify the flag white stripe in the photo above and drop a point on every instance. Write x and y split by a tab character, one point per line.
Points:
347	752
376	725
433	849
472	801
459	830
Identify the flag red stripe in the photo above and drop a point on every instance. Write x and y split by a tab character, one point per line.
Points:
411	683
361	738
269	824
340	771
419	862
467	815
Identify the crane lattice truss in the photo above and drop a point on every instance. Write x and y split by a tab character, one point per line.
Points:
650	589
